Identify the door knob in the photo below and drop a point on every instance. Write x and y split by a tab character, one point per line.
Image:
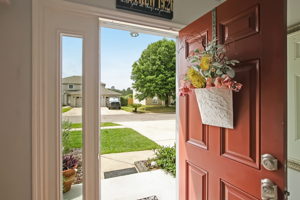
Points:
269	162
268	190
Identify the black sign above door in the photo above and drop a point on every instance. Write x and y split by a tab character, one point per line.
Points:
160	8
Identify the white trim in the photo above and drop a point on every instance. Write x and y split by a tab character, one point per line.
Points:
177	117
48	25
293	34
121	25
38	162
46	181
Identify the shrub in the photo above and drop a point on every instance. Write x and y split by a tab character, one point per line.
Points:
66	131
69	162
166	159
135	106
124	101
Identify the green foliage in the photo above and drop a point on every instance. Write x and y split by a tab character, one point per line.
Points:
107	124
66	131
124	92
66	109
151	109
129	96
103	124
124	101
116	141
135	106
166	159
124	140
154	74
219	65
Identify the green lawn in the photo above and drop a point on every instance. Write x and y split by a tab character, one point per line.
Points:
117	141
151	109
66	108
103	124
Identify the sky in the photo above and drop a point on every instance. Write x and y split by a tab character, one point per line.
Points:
71	56
118	52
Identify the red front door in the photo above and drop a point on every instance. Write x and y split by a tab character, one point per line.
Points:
225	164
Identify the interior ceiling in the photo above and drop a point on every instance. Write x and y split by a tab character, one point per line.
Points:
185	11
293	16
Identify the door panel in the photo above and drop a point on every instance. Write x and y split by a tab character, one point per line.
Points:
230	192
196	177
197	132
218	163
242	143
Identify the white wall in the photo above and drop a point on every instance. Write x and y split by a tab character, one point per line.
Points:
185	11
15	100
293	17
293	184
293	12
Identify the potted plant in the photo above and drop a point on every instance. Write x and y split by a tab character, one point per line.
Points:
210	76
69	171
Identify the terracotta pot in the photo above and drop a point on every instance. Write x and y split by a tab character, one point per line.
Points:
69	177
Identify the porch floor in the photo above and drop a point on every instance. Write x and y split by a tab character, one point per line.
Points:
132	187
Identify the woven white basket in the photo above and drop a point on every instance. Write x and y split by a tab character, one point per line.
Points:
216	106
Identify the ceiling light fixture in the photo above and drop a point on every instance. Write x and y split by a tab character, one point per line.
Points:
134	34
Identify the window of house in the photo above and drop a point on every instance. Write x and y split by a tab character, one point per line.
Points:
71	86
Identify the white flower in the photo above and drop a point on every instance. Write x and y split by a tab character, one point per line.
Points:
153	164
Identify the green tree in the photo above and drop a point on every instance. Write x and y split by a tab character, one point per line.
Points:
154	73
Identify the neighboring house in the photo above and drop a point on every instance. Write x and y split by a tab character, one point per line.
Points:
106	94
72	92
149	100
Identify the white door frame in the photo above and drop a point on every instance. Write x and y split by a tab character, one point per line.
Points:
51	19
293	117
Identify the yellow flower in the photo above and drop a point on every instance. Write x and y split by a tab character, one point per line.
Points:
195	77
205	62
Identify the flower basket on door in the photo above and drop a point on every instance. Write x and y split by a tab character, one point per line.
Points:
211	78
216	106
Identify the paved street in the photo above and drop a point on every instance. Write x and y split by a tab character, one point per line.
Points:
74	116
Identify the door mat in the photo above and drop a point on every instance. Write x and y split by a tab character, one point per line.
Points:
150	198
120	172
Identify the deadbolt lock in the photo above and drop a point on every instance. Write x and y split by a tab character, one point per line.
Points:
268	190
269	162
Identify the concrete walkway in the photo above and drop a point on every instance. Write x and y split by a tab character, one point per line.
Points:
132	187
116	161
162	132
